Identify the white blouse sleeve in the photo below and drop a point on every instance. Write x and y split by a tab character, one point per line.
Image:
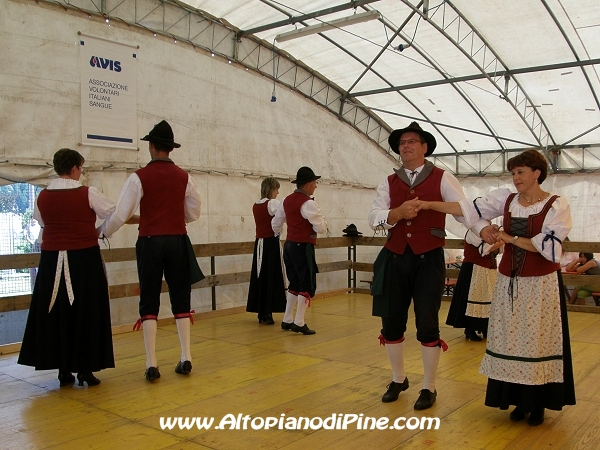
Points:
278	220
311	212
487	207
273	206
102	206
381	207
452	192
129	200
191	202
555	229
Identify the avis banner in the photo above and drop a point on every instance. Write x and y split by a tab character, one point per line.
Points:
108	93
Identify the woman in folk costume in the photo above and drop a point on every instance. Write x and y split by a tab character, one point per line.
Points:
474	288
266	294
528	354
68	327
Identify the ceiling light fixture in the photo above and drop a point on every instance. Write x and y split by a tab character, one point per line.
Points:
338	23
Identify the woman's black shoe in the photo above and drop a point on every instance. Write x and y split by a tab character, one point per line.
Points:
517	415
88	378
536	417
471	335
269	320
65	378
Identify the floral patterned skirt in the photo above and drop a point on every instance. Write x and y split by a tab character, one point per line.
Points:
481	292
528	354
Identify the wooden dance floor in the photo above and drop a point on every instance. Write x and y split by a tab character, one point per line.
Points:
261	371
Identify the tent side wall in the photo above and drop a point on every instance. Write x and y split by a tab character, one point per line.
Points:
231	134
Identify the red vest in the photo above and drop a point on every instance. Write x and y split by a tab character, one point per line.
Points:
69	222
299	229
262	218
472	255
426	231
531	264
162	205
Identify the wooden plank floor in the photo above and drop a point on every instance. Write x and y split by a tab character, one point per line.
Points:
241	367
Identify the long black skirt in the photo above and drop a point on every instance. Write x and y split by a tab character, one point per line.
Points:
457	317
266	294
503	394
77	337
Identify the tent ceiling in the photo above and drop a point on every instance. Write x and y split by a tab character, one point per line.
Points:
543	106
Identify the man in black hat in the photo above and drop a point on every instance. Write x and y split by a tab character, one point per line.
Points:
411	264
168	199
304	220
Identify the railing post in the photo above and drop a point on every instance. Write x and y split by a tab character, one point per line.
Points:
213	288
351	271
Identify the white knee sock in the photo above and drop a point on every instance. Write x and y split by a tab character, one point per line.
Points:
292	299
431	357
395	354
183	329
149	327
300	310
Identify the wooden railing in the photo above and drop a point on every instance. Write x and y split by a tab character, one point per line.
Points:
213	280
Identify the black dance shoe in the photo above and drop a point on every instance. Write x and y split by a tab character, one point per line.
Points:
517	415
269	320
286	326
183	367
88	378
536	417
471	335
65	378
426	399
303	329
152	373
393	390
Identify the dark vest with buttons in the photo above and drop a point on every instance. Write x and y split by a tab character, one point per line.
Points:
299	229
162	206
262	219
426	231
517	261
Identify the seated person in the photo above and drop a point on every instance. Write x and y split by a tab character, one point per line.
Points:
585	264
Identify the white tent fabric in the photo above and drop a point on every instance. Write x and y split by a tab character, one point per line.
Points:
531	68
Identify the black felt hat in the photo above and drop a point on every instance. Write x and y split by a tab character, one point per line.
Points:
305	175
351	230
162	133
394	138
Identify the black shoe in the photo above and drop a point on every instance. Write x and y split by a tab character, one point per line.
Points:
183	367
65	378
89	378
536	417
152	373
426	399
286	326
471	335
517	415
269	320
303	329
393	390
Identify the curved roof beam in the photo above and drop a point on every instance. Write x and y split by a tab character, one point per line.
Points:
347	94
436	67
516	97
562	31
298	19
